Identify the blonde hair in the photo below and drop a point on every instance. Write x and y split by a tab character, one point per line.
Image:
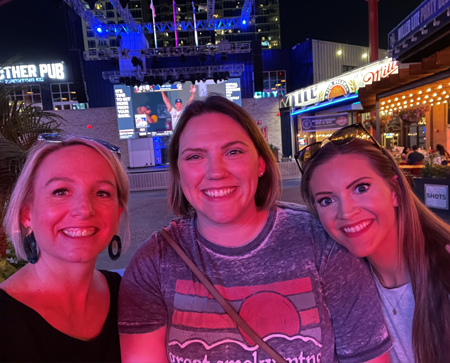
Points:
23	192
268	190
423	238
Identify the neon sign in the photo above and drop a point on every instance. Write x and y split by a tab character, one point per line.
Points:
31	73
269	94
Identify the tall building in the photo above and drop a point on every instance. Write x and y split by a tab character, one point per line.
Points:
263	24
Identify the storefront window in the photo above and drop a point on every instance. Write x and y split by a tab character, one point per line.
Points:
65	98
30	95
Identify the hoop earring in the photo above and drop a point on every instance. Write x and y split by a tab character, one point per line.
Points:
29	244
115	248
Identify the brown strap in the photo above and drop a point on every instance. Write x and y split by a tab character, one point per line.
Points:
220	299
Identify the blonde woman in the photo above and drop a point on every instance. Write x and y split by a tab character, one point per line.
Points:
64	210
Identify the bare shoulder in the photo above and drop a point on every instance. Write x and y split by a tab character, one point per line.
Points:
17	283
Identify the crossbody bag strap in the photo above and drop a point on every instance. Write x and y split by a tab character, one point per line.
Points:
220	299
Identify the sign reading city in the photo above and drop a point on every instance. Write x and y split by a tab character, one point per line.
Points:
269	94
342	86
31	73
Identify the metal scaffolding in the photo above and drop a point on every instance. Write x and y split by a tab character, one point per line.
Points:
122	53
233	70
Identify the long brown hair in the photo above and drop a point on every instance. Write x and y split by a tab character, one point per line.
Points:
423	238
268	189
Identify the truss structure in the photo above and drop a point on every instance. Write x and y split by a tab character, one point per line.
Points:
84	13
130	25
234	70
122	53
246	10
210	8
123	12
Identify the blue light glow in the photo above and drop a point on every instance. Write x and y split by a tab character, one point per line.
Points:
99	29
324	105
244	22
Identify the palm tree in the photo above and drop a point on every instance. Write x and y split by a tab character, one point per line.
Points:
20	125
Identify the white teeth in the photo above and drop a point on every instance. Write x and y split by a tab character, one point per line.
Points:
357	228
79	232
219	193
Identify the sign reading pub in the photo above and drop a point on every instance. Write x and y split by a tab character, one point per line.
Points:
31	73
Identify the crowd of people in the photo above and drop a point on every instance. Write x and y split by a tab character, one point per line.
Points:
360	274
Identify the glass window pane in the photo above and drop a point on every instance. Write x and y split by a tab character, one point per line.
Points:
35	89
56	97
58	107
65	97
37	99
73	96
55	87
67	107
64	87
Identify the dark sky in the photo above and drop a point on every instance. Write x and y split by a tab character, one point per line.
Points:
343	21
38	30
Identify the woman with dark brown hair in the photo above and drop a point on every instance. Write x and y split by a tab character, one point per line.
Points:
306	296
365	203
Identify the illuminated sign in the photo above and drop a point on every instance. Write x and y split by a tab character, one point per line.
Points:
436	196
418	19
344	85
31	73
269	94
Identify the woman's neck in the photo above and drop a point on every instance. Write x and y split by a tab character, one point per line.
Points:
233	234
388	266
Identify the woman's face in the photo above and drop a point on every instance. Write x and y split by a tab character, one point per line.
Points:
219	169
355	205
75	209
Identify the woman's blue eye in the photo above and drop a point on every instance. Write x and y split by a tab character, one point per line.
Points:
193	157
60	192
103	193
235	152
325	202
362	188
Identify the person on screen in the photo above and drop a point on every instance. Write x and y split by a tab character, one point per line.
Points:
145	110
176	111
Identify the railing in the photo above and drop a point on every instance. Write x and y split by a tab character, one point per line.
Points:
160	180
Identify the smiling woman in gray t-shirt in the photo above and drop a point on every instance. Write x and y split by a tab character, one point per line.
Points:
306	296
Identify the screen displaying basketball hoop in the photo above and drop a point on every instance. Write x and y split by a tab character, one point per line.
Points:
148	110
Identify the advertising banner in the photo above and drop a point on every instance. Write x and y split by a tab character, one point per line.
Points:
325	122
341	86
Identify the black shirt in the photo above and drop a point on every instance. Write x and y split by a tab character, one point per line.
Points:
25	336
415	157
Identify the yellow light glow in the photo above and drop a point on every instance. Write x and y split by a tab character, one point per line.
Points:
420	92
418	98
439	98
429	90
383	103
440	86
339	52
404	97
426	96
410	95
389	101
396	98
434	94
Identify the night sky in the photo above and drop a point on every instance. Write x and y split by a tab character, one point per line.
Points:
342	21
37	30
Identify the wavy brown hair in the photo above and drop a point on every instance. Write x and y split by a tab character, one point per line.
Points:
423	238
268	190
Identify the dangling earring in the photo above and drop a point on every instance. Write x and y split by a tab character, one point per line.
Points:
115	248
29	244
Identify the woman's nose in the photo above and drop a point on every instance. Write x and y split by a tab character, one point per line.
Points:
348	208
82	207
217	168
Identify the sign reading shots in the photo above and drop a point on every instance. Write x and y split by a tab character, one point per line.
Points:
32	73
436	196
124	113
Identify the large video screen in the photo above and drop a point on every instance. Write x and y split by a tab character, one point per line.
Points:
148	111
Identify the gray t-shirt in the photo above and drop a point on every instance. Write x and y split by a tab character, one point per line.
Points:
399	325
305	295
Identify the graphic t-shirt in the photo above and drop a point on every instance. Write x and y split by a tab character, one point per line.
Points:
305	295
175	116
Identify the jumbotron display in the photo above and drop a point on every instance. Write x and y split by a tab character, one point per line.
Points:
148	111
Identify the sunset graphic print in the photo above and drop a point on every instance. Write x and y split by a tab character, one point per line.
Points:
283	313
